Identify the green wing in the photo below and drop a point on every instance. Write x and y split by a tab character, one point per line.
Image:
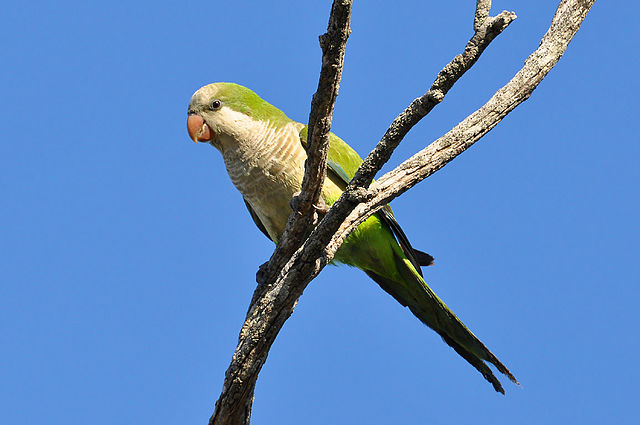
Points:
343	162
341	159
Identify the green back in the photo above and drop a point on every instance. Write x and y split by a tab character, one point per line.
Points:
341	158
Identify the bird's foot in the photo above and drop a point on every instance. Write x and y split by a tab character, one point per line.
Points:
320	208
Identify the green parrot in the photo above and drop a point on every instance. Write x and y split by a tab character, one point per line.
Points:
264	153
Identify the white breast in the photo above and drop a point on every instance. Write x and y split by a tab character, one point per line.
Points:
266	164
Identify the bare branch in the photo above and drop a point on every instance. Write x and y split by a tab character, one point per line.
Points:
482	13
303	217
565	24
274	303
421	106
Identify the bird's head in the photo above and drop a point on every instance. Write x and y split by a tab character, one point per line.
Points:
220	109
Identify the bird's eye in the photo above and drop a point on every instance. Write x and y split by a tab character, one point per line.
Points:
216	104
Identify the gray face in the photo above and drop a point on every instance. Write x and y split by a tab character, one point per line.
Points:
203	114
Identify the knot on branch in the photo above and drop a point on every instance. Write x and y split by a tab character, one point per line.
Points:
325	41
296	203
263	273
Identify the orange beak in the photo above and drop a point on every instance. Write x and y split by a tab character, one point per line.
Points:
198	130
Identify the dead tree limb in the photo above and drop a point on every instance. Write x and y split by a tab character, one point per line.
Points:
281	286
565	24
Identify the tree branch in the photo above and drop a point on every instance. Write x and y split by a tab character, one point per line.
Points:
274	301
234	404
304	216
420	107
482	13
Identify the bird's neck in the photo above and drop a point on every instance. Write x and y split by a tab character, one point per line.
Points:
266	164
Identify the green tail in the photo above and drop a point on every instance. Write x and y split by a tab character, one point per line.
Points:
413	292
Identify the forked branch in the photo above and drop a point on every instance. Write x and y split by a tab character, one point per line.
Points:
281	286
565	24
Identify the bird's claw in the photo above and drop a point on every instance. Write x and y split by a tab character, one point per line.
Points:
320	208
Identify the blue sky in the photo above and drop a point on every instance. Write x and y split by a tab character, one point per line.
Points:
128	260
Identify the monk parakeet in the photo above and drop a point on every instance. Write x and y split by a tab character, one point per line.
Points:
264	152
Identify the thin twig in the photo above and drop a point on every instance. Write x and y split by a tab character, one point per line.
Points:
482	13
421	106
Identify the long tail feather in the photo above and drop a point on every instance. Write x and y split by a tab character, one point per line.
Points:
414	293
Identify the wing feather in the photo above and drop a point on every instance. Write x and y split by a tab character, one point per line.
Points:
343	162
